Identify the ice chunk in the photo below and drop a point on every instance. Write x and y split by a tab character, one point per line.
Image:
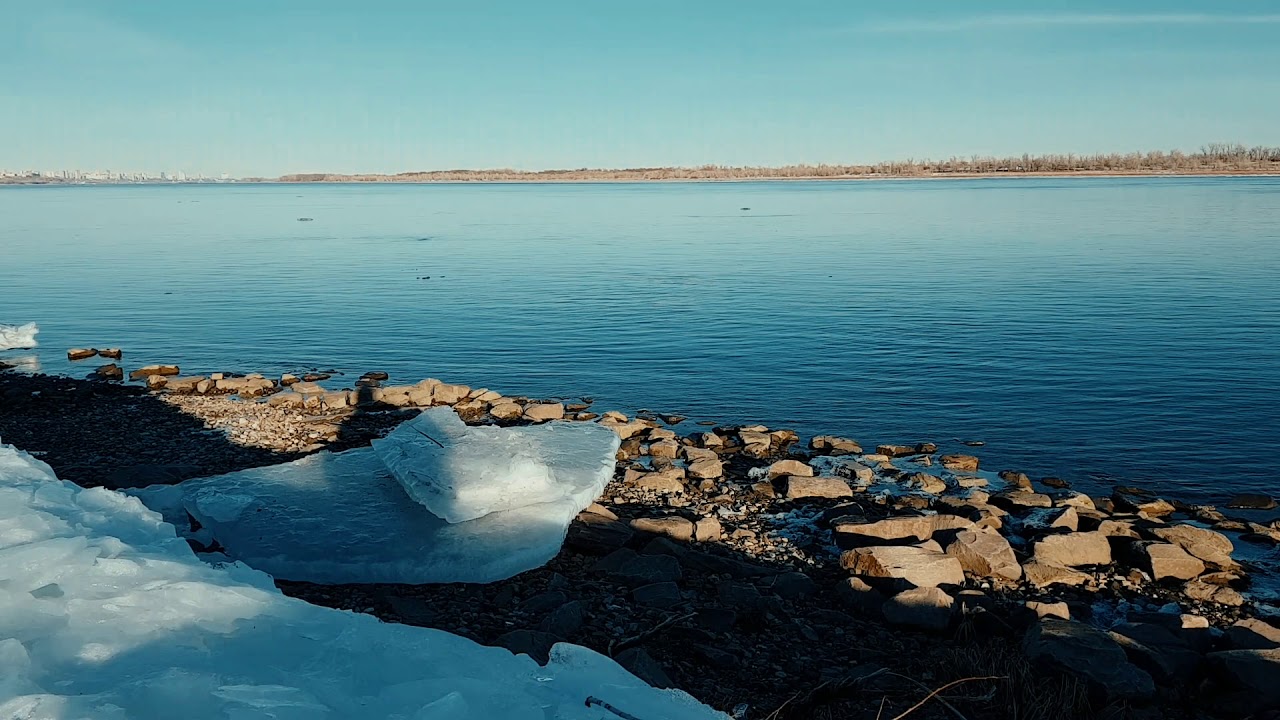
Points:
18	337
342	518
105	613
462	473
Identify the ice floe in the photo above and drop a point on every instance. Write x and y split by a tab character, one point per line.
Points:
18	337
347	518
106	613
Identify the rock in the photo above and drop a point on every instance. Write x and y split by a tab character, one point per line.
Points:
966	482
917	567
1212	547
985	553
506	411
835	445
672	526
856	593
1046	519
544	602
564	621
1049	610
756	444
928	608
315	377
1136	501
642	665
110	371
666	449
155	382
1253	673
597	534
792	585
81	353
659	595
1252	501
623	428
1042	575
286	379
799	487
149	370
1074	549
707	529
1165	560
789	467
1206	592
136	476
1058	483
855	532
1014	499
533	643
1071	498
446	394
959	463
1016	479
664	482
184	384
1158	652
1253	634
1090	654
931	484
896	451
1117	528
706	469
634	570
541	412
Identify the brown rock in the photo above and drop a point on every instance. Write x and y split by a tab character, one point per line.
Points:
1088	653
707	529
928	608
985	553
799	487
959	463
542	412
895	451
672	526
81	353
664	482
789	467
706	469
835	445
1165	560
853	531
149	370
918	567
1043	575
1074	549
1212	547
506	411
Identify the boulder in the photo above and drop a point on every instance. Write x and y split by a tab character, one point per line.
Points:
928	608
111	353
756	444
564	621
1090	654
799	487
1042	575
789	467
959	463
856	532
1165	560
1074	549
707	529
664	449
184	384
1017	480
542	412
985	553
597	534
1158	652
506	411
1140	502
149	370
110	371
706	469
624	428
155	382
658	595
642	665
81	353
792	585
1212	547
446	394
1253	634
632	569
1049	610
1252	673
835	445
1050	519
1207	592
672	526
895	451
1252	501
912	566
857	594
1021	499
663	482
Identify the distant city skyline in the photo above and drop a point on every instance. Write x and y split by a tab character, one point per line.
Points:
262	90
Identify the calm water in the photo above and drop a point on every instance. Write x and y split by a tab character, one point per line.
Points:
1108	330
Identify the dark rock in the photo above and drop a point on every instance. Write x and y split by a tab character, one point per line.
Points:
862	597
1253	674
715	656
597	534
110	371
1157	651
564	621
81	353
1252	501
1016	479
413	610
143	373
1090	654
534	643
791	585
544	602
375	375
627	567
316	377
716	619
642	665
136	476
1056	483
659	595
928	608
1253	634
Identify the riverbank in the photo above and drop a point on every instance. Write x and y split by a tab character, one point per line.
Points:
748	567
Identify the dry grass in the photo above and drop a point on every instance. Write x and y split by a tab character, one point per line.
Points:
1028	693
1215	158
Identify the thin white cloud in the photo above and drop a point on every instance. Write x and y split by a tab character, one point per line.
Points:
982	22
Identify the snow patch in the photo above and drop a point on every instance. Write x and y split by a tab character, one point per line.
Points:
106	613
18	337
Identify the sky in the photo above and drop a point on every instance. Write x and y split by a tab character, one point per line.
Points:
267	87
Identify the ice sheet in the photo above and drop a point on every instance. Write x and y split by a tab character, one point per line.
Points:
105	613
461	473
342	518
18	337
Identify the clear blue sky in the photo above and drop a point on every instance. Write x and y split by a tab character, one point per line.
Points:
270	86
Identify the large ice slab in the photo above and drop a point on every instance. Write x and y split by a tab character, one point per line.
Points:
462	472
105	613
342	518
18	337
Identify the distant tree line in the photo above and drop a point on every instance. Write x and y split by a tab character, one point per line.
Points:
1213	158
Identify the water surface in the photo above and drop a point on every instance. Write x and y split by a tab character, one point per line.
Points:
1101	330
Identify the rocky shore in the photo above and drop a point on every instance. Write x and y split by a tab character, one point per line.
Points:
768	575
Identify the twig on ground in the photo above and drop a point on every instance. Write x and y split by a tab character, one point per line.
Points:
619	646
951	684
620	713
837	687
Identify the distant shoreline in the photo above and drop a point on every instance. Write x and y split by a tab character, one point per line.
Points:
552	180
